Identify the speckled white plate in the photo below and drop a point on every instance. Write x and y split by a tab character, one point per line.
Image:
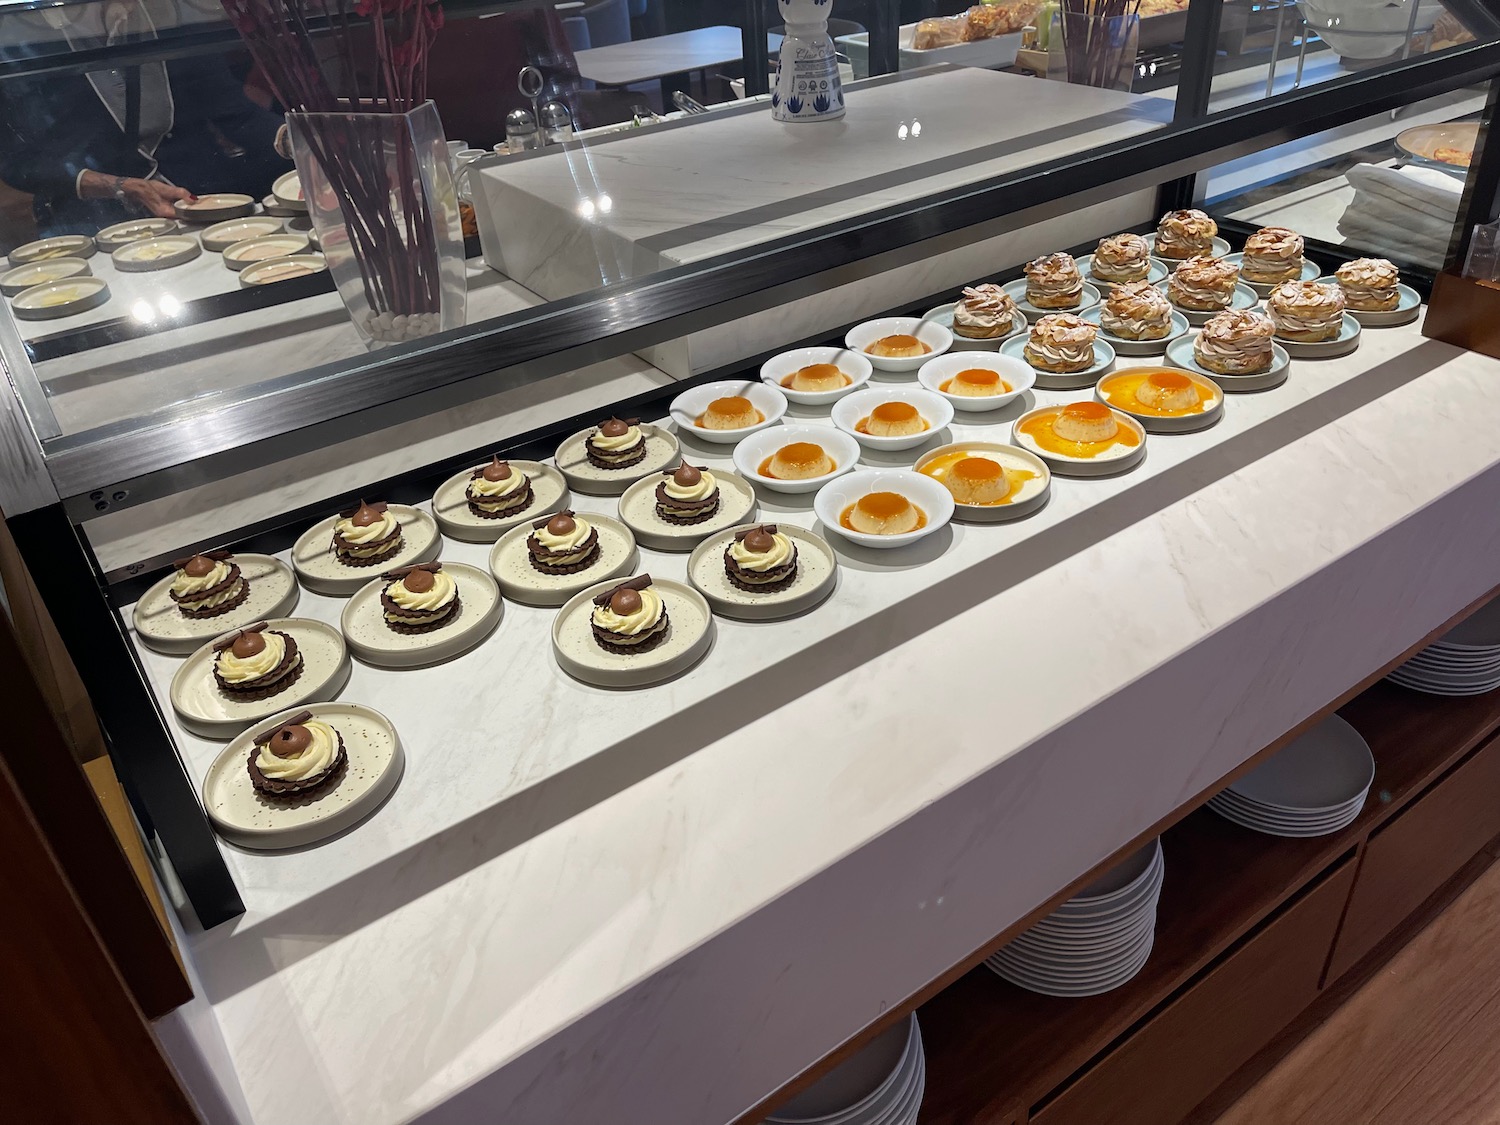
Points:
661	451
1181	353
247	818
817	575
943	315
638	510
320	571
1017	290
375	642
205	709
519	580
1104	360
1342	344
1031	497
549	493
153	254
1070	466
579	655
221	236
1212	411
1125	346
1407	309
162	626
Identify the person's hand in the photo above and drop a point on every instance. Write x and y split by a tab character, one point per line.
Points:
153	197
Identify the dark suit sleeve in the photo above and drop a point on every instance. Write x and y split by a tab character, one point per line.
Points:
50	130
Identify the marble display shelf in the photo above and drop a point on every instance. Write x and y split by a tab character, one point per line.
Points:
659	905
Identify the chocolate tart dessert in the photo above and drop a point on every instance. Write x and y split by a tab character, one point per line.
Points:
495	491
688	495
302	756
208	585
419	599
631	618
366	535
761	560
256	663
616	444
562	544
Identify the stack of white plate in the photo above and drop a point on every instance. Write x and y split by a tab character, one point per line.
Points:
1465	662
1097	940
881	1085
1315	786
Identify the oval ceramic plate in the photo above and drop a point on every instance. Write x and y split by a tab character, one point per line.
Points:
1017	290
375	642
59	246
156	253
258	821
253	250
510	563
208	710
1124	346
221	236
1181	353
162	626
1104	359
214	208
1030	496
1244	298
689	637
943	315
582	474
1407	309
1220	249
1071	466
17	281
1310	272
287	191
111	238
638	510
272	270
55	299
815	579
320	571
1342	344
1156	271
450	504
1213	407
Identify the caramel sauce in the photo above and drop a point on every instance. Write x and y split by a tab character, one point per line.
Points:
816	371
1039	429
1120	390
732	407
898	346
978	377
892	413
940	467
798	453
882	506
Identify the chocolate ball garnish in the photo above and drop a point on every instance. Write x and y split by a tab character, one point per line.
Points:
614	428
686	475
760	541
288	742
199	566
419	581
247	645
366	515
561	524
625	602
497	470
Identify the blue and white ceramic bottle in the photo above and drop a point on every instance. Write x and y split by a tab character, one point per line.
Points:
807	80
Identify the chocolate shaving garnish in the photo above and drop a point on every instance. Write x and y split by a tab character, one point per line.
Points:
295	721
228	641
217	556
537	525
378	508
403	571
638	583
768	528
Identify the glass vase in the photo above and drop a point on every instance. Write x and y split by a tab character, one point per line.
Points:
380	193
1100	51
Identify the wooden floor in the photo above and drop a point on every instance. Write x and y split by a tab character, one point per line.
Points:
1418	1044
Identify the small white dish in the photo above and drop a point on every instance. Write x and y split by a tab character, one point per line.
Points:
320	570
1181	353
221	236
816	576
53	300
1310	272
1017	290
581	473
638	511
270	205
58	246
287	191
15	282
252	250
933	500
854	366
689	406
111	238
753	455
934	335
1342	344
1220	250
154	254
271	270
450	503
1028	497
1124	346
207	710
690	636
163	627
934	409
1104	360
1116	459
1156	271
510	563
1407	309
1017	373
943	315
214	208
375	642
261	822
1243	298
1213	405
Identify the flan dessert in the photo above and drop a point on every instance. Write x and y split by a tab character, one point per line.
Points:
976	382
1061	343
1120	259
984	312
1369	284
1053	282
898	346
892	419
564	543
816	378
366	535
497	490
883	513
1236	342
1306	311
1183	234
208	585
617	443
1203	284
1136	311
761	559
256	663
734	412
799	460
631	618
419	599
302	756
687	495
1083	430
977	478
1272	255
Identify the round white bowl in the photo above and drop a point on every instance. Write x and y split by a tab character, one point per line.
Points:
934	335
933	407
852	364
751	452
1020	375
927	494
687	406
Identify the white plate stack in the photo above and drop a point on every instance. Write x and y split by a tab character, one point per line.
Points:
1465	662
1097	940
1316	785
881	1085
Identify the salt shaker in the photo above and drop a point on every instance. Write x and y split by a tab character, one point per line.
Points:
556	122
521	132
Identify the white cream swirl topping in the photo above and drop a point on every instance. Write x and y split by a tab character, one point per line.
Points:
628	440
634	624
705	487
566	541
779	555
238	670
442	592
185	585
321	752
355	534
483	486
984	306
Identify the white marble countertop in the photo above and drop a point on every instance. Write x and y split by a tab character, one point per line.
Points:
639	60
658	905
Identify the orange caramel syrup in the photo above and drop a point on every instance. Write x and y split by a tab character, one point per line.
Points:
1039	429
790	381
898	346
765	466
847	512
939	468
894	411
978	377
1119	390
